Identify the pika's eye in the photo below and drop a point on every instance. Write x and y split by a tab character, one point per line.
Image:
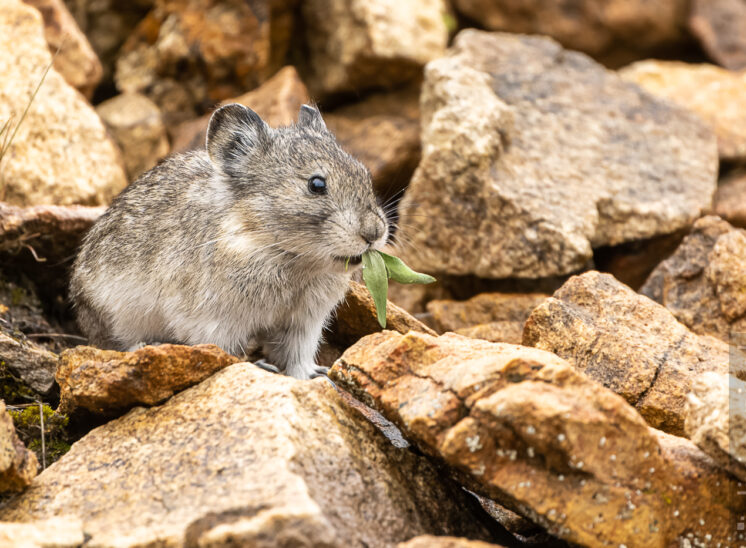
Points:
317	185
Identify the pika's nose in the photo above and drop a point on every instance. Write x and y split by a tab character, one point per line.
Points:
372	229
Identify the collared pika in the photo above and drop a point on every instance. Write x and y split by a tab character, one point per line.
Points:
244	244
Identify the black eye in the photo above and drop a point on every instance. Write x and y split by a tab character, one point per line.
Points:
317	185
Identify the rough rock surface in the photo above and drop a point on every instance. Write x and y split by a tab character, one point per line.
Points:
76	60
383	132
61	153
62	532
626	342
496	317
359	44
356	317
719	24
188	56
704	282
514	128
716	420
18	465
34	365
715	94
246	458
109	382
277	101
614	31
136	124
730	199
430	541
521	426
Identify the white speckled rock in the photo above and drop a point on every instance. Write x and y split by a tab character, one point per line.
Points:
61	153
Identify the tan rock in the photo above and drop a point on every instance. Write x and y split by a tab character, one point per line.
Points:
496	317
716	420
246	458
62	532
626	342
615	31
361	44
18	465
108	382
717	95
704	282
718	25
383	132
514	127
136	124
356	317
730	199
188	56
520	425
430	541
76	60
277	101
61	153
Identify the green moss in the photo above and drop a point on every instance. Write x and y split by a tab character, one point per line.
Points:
17	296
12	389
56	437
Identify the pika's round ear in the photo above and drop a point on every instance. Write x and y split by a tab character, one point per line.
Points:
311	117
234	132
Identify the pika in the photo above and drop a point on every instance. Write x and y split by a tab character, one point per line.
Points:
249	243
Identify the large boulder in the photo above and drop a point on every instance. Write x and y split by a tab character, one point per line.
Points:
704	282
359	44
615	31
717	95
520	425
534	155
246	458
628	343
61	153
18	465
718	25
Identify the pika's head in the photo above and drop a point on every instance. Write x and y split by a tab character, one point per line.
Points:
295	185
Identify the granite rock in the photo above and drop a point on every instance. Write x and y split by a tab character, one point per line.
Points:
62	532
730	199
718	25
18	465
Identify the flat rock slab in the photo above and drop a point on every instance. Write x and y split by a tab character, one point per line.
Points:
628	343
703	283
520	425
246	458
534	155
18	465
108	382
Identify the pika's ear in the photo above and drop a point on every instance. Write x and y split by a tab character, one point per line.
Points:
234	132
311	117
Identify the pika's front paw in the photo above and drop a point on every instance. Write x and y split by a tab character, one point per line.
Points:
262	364
320	371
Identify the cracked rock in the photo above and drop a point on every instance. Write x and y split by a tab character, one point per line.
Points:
246	458
522	426
628	343
703	283
514	130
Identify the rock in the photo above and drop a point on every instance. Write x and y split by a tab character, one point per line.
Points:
715	94
704	282
520	425
18	465
730	199
277	101
107	24
188	56
33	364
136	124
62	532
356	317
615	31
108	382
496	317
626	342
430	541
246	458
514	127
718	25
76	60
61	153
383	132
716	420
356	45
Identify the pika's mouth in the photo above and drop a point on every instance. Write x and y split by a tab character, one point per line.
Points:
355	259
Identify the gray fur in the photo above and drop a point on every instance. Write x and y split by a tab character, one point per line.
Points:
228	246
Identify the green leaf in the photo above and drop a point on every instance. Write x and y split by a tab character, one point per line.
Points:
400	272
376	279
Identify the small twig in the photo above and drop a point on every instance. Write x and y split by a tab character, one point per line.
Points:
43	445
52	335
33	252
